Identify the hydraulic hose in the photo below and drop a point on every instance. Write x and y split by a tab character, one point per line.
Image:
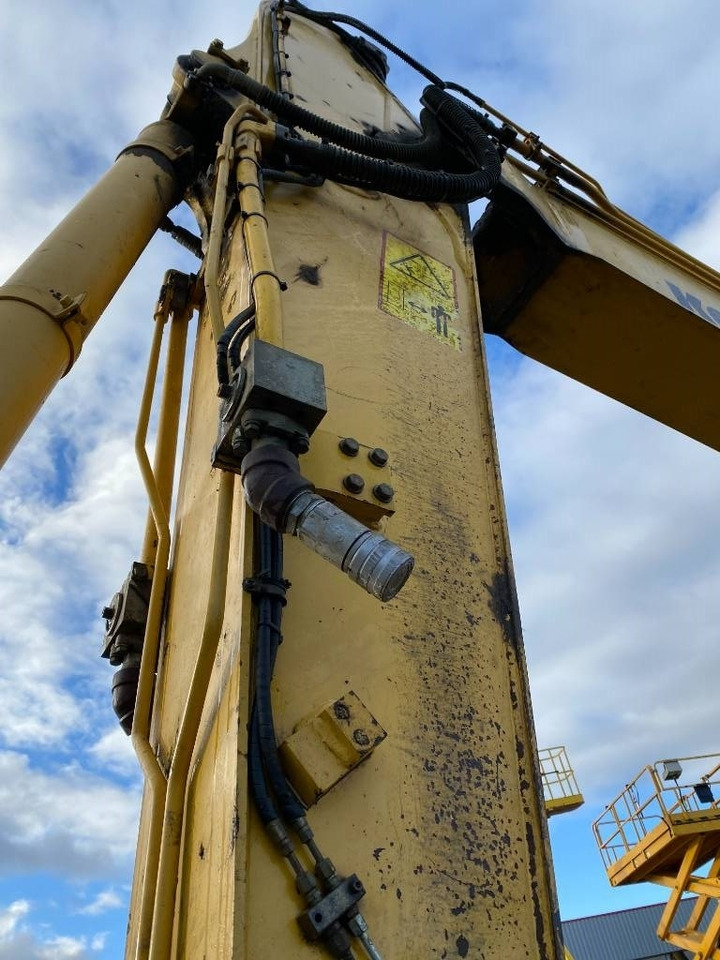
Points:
330	19
382	163
256	774
224	343
294	115
268	640
379	163
397	180
268	784
237	341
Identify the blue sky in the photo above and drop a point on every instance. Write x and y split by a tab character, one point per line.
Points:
614	520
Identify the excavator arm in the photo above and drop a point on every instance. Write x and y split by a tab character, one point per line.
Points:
571	281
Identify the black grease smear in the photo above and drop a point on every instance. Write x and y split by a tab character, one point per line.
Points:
309	274
503	605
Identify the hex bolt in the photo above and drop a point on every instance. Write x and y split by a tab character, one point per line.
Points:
301	443
361	738
354	483
349	446
252	429
341	710
383	492
240	444
379	457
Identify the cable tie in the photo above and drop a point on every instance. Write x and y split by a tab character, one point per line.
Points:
264	586
253	213
252	160
271	626
268	273
251	183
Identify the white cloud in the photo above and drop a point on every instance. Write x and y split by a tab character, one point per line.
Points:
11	916
58	565
27	947
701	237
63	948
19	942
105	900
114	751
67	820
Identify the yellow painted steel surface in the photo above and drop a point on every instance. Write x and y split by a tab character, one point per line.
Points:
444	821
623	312
53	300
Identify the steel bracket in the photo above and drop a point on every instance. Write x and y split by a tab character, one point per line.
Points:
332	908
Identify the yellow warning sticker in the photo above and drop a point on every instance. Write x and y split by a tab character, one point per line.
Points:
419	290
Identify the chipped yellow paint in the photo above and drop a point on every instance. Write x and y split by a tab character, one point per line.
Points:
419	290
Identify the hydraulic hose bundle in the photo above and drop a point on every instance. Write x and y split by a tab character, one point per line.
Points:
275	800
453	135
229	344
266	775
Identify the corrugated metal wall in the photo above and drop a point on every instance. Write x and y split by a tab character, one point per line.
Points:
625	935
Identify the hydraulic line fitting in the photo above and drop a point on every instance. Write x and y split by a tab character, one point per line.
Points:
275	402
371	560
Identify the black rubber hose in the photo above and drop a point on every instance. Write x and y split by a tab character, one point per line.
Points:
256	773
268	640
184	237
414	151
465	127
396	179
223	344
236	342
488	125
325	17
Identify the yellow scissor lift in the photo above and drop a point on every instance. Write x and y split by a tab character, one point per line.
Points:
665	828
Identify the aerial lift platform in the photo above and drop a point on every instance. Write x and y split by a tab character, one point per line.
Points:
560	788
664	828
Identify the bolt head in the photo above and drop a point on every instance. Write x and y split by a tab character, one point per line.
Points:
251	429
354	483
361	738
383	492
301	443
379	457
240	444
349	446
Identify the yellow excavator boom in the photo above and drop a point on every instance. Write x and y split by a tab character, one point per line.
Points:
371	784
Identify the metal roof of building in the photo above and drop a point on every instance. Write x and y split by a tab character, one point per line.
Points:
624	935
